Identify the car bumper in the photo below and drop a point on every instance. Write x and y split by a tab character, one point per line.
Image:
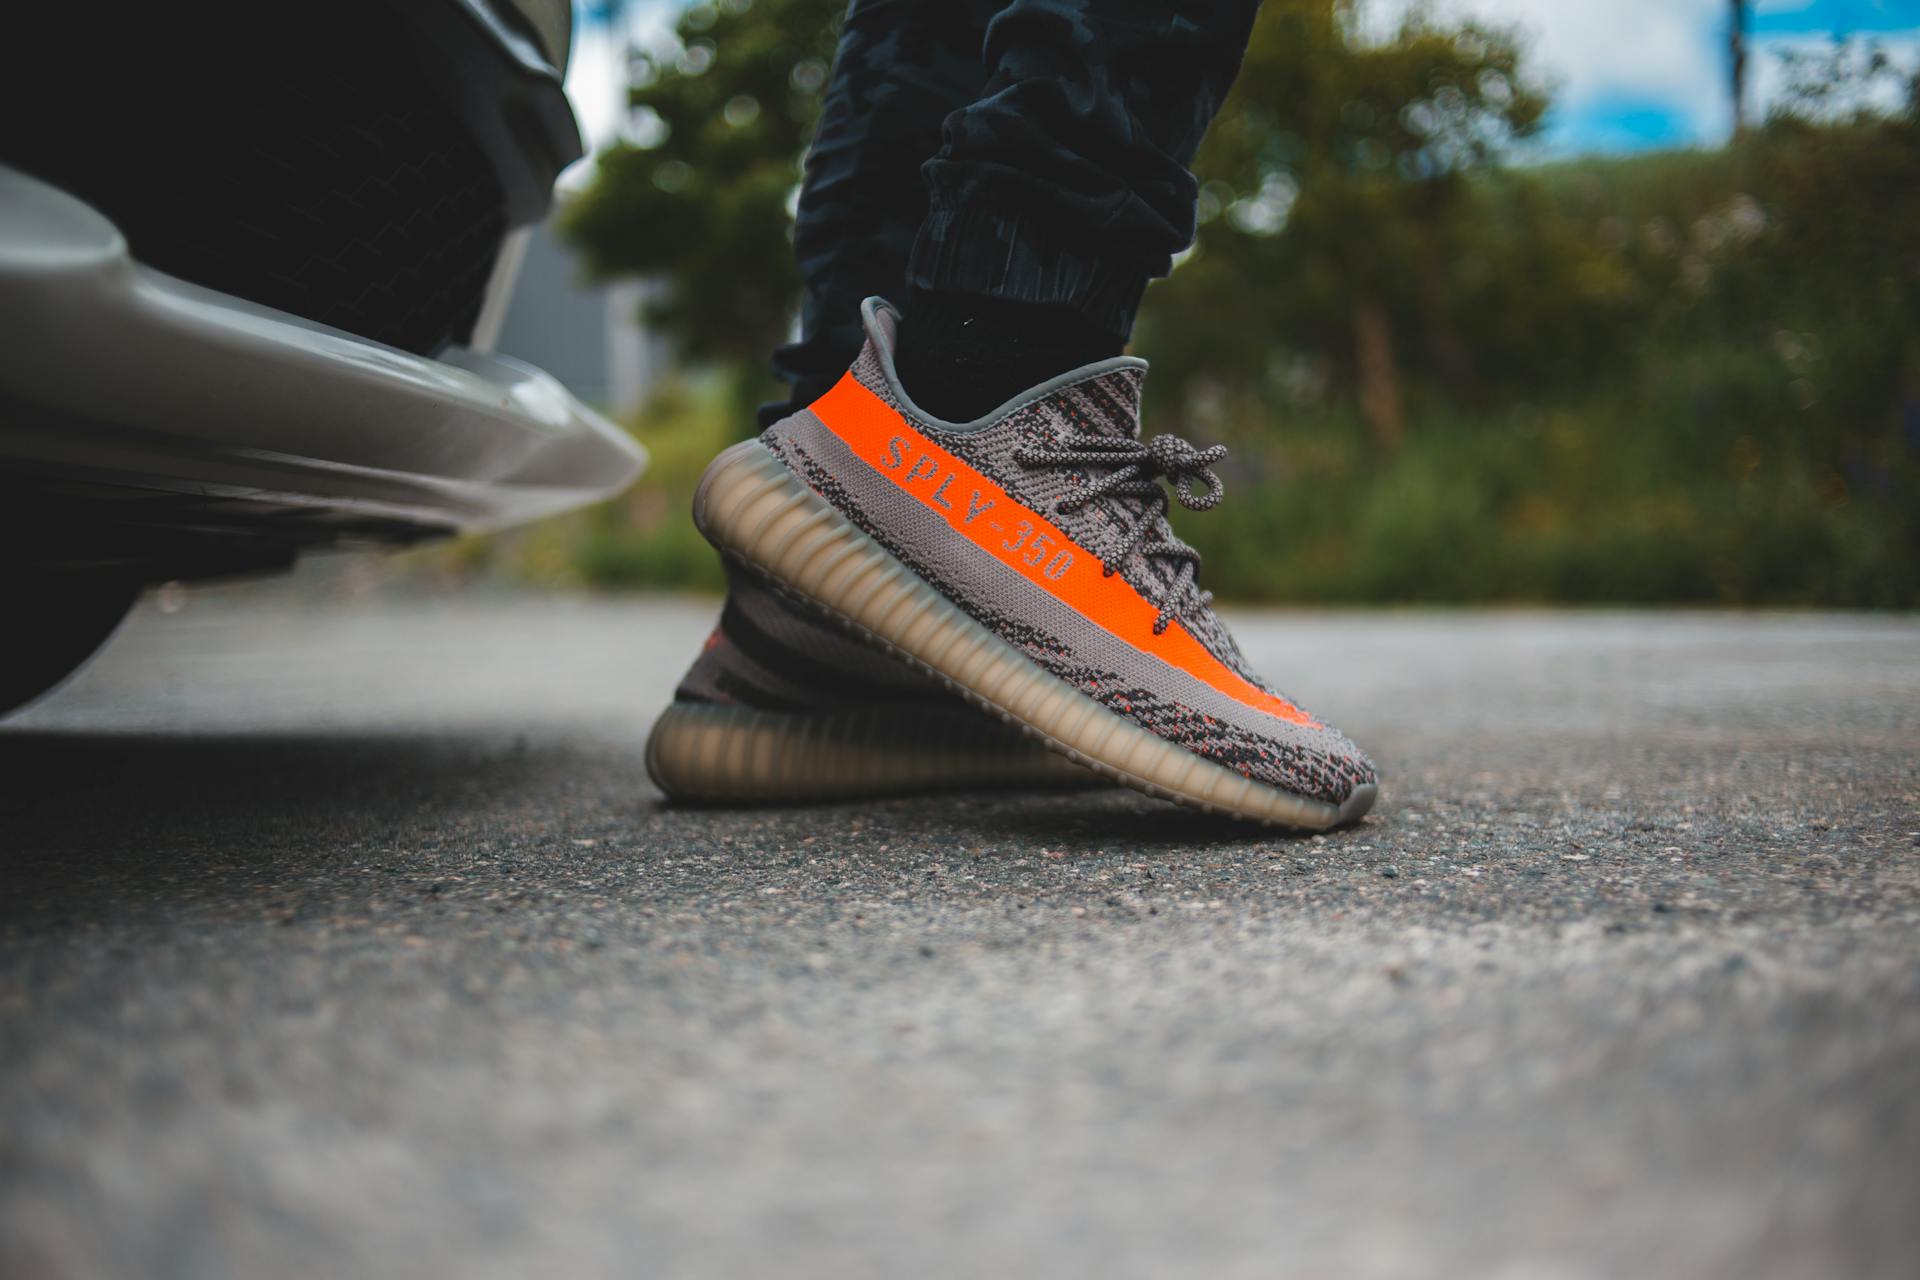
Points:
114	374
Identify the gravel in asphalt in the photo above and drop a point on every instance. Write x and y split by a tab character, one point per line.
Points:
346	936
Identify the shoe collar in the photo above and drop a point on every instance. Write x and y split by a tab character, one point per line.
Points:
882	321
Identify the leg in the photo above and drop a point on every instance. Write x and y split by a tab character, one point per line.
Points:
902	67
1025	557
1063	189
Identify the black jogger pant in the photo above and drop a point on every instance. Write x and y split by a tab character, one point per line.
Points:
1032	150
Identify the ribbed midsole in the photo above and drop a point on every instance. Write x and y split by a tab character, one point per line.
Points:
715	751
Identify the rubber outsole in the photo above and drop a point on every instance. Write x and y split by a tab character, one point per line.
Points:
711	752
753	508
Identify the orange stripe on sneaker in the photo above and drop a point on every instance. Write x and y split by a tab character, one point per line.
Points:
1024	540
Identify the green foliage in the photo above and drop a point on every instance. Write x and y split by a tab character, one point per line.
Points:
1608	496
1798	248
705	207
646	537
1356	151
1340	174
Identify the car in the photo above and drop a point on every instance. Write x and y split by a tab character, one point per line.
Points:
253	259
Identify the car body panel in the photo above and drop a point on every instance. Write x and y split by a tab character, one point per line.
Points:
113	372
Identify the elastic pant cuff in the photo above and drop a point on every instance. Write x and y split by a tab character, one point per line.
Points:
1022	260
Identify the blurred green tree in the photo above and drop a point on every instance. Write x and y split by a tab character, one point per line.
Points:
701	195
1336	208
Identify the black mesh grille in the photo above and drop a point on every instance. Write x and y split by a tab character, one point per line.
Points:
316	174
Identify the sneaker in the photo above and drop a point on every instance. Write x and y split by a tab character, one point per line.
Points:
784	706
1026	560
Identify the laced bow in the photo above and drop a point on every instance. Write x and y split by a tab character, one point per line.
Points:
1136	469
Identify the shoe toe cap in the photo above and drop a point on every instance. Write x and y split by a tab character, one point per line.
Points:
1328	766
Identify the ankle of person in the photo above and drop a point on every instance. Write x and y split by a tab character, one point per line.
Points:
962	355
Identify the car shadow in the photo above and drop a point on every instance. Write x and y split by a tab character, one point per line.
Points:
130	811
79	779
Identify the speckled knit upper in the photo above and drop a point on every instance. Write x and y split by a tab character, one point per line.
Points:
1292	752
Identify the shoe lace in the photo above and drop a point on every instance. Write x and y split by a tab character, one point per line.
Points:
1138	469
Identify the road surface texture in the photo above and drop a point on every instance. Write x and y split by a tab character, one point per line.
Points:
348	937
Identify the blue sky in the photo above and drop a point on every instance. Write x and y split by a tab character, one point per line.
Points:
1627	75
1631	75
1827	16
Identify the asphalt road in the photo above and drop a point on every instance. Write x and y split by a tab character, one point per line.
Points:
348	937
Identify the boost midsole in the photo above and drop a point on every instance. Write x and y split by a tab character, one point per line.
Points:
715	751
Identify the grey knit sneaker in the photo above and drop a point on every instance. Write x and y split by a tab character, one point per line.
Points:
1025	559
785	706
